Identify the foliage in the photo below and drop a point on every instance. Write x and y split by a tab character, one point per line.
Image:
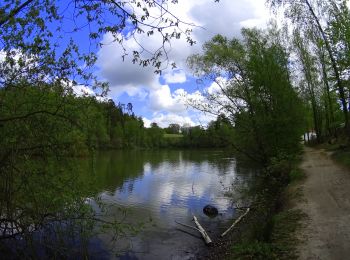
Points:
281	242
255	93
173	129
296	175
324	29
219	133
285	224
41	200
37	42
173	135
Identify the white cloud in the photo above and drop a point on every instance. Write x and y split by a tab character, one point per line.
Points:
164	119
84	91
172	108
81	90
175	77
146	122
191	118
226	17
204	118
214	87
162	99
123	76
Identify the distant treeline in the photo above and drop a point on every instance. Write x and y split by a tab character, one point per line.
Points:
33	117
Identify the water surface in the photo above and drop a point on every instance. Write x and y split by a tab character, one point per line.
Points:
158	188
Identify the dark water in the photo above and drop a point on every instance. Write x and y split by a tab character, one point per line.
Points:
158	188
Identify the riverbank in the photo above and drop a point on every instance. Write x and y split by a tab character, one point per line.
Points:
307	219
269	230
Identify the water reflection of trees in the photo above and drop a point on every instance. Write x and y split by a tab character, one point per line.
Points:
43	211
33	195
110	170
43	201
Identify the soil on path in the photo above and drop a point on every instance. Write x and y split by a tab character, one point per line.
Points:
326	233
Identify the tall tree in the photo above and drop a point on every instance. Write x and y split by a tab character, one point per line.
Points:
312	90
304	14
254	91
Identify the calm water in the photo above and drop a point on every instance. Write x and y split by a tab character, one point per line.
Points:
159	188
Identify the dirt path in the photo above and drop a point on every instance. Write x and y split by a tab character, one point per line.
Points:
326	191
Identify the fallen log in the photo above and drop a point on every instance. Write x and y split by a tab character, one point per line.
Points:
234	223
204	234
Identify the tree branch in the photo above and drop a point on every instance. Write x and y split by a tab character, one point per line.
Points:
14	12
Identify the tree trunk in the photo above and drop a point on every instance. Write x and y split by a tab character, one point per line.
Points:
328	95
334	66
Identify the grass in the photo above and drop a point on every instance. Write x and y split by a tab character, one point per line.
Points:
296	175
282	244
173	135
283	241
283	237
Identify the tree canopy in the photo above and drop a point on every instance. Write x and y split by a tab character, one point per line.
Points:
254	92
40	39
323	25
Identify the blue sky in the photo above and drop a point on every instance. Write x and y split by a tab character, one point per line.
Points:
158	98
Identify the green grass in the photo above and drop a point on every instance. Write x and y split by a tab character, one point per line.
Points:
296	174
283	237
283	241
173	135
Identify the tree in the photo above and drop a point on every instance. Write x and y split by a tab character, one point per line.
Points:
154	135
129	108
36	187
255	92
220	132
173	129
34	36
312	90
304	14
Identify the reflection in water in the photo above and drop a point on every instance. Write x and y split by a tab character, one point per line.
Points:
165	186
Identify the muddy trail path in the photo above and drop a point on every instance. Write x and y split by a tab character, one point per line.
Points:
326	233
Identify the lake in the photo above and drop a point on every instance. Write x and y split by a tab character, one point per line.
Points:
157	188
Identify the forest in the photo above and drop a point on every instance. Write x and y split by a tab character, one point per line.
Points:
84	123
